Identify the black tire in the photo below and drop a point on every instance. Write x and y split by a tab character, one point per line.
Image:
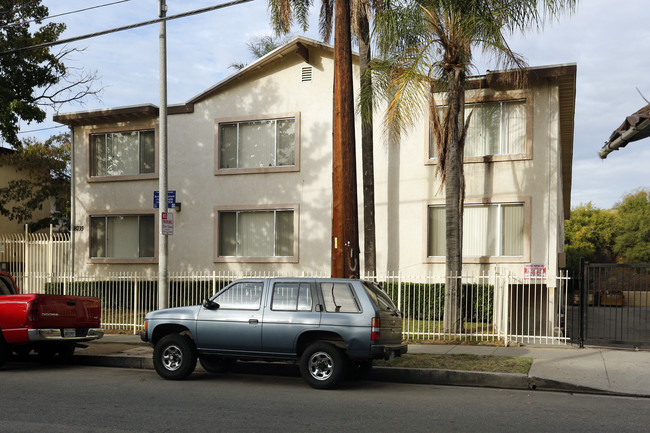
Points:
323	365
216	364
66	352
359	369
5	351
59	353
174	357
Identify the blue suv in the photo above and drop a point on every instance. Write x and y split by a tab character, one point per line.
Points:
333	327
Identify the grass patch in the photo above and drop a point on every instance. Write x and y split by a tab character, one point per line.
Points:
465	362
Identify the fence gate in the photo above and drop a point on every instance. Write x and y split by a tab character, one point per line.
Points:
613	305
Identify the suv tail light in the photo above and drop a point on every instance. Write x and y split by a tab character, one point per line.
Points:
374	333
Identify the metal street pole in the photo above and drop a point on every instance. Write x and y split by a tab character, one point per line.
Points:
163	281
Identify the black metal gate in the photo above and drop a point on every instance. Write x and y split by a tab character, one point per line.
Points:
611	306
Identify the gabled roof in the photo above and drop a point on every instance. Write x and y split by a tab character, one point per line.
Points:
565	76
299	46
635	127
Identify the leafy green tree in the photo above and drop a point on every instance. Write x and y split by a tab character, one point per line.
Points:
632	239
47	165
33	79
428	47
589	234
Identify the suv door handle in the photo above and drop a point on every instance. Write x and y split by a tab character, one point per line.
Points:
253	321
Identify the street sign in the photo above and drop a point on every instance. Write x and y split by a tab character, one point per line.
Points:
171	199
167	223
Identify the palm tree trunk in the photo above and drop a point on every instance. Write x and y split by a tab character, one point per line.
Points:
453	320
367	155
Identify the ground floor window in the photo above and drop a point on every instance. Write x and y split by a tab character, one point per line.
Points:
122	236
489	230
256	233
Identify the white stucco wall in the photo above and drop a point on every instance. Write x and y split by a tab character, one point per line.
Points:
404	184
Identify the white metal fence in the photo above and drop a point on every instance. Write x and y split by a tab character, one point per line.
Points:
29	256
495	307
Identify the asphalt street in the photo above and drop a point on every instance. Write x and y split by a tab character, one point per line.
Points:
55	399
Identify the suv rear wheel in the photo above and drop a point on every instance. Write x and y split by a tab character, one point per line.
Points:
174	357
323	365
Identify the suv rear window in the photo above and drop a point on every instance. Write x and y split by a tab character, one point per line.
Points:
379	297
339	298
291	297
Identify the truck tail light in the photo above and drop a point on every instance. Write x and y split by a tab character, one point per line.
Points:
374	333
32	311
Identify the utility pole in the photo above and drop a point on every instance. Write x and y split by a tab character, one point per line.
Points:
345	220
163	280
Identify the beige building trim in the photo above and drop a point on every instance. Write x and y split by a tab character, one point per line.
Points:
116	260
275	169
525	258
118	129
295	207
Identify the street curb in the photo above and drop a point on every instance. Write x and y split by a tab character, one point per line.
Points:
419	376
432	376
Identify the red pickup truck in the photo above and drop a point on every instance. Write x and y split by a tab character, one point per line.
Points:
51	325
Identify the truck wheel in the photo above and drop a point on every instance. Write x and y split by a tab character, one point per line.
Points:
60	353
216	364
4	351
322	365
174	357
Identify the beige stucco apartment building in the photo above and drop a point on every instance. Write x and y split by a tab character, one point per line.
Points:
250	161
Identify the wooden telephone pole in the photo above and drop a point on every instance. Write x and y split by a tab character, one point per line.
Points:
345	220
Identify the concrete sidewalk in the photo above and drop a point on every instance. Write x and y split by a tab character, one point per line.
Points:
565	368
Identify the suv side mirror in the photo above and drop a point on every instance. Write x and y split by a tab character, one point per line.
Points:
210	305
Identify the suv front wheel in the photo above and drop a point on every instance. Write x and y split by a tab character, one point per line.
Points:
322	365
174	357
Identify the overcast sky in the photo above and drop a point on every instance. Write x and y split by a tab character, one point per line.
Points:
607	39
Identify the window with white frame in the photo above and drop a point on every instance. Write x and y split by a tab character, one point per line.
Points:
122	153
257	143
489	230
256	233
495	128
122	236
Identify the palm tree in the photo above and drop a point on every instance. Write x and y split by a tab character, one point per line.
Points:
427	48
260	46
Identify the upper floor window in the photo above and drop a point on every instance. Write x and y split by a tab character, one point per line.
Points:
128	153
122	236
257	145
489	230
495	128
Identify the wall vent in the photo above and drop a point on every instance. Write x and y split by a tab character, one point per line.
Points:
306	74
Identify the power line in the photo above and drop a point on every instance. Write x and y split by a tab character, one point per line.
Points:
129	27
42	129
65	13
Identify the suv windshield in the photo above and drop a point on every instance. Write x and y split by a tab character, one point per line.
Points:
381	299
